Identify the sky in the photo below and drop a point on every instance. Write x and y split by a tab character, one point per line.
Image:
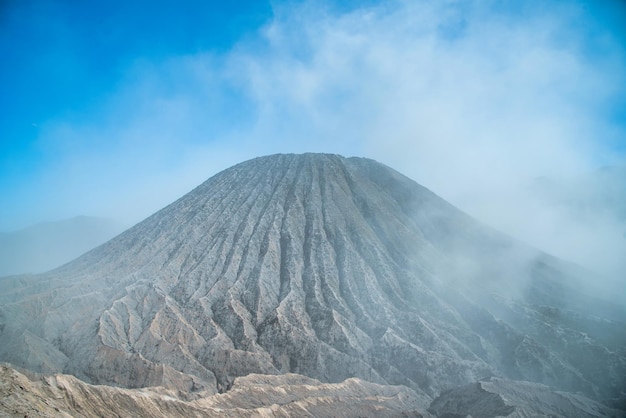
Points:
117	108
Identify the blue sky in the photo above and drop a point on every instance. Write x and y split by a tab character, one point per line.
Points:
64	60
88	66
117	108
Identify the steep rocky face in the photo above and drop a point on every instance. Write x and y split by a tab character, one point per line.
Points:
319	265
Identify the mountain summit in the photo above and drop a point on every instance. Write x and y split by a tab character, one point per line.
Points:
320	265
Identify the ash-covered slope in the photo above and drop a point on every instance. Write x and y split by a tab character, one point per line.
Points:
318	265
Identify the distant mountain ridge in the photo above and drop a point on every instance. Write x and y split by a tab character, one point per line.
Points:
320	265
47	245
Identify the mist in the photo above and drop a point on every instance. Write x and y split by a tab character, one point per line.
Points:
48	245
474	104
477	101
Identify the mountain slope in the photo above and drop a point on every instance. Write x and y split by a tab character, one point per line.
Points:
318	265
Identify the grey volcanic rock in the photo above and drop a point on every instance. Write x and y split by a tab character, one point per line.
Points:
507	398
297	396
327	267
254	396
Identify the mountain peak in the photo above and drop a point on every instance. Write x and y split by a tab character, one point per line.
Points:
315	264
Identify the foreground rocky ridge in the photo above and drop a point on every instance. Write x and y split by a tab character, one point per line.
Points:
252	396
287	395
327	267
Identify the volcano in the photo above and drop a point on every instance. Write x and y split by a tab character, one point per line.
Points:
322	266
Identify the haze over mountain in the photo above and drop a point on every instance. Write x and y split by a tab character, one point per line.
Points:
47	245
315	264
589	210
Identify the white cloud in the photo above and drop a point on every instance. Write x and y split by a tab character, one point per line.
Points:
470	99
472	103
